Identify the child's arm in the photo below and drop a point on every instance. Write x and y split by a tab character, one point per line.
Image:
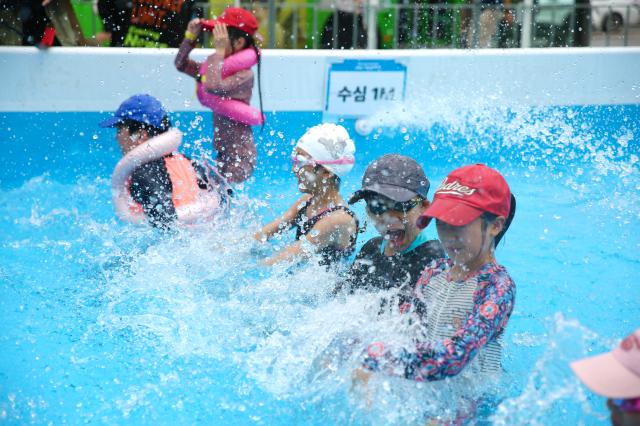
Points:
283	222
493	304
335	228
182	61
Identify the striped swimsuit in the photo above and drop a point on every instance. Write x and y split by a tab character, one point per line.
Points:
463	321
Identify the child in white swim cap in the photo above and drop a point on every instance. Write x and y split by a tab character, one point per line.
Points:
330	146
322	156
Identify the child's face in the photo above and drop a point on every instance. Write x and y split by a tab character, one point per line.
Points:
235	46
396	225
306	172
467	244
127	140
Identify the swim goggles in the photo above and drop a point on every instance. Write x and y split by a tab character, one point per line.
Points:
627	405
299	161
379	205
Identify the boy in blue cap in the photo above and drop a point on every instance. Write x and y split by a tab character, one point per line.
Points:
153	181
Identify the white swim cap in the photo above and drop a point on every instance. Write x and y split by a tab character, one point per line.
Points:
330	146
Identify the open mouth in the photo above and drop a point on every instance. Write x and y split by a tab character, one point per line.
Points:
395	237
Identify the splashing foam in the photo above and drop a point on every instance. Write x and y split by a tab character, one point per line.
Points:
566	144
200	294
539	136
551	386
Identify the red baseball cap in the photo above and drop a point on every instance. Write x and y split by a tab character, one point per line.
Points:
239	18
466	193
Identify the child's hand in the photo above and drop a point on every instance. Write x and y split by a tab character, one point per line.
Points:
195	26
360	377
221	37
101	37
360	384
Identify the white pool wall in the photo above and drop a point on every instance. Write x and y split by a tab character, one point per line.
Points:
98	79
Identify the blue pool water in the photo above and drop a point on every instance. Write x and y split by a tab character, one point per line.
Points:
105	323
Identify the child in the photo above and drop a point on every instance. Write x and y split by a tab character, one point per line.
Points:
152	181
465	301
616	375
395	189
323	155
233	32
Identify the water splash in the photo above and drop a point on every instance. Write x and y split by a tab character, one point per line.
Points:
188	326
552	386
553	138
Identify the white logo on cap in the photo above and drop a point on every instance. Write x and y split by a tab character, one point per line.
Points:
454	188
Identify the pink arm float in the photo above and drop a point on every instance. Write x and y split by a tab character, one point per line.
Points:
232	108
154	148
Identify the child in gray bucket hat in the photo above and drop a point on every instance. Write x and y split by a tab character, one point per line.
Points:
395	190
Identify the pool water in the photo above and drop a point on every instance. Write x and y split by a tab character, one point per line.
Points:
108	323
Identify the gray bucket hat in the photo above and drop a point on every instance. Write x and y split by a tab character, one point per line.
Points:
394	176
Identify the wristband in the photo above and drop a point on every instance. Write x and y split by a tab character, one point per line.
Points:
190	36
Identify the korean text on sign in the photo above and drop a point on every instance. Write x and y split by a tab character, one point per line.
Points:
359	88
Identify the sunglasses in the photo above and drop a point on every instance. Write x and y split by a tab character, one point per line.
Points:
379	206
627	405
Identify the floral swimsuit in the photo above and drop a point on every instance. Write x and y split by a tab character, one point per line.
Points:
463	321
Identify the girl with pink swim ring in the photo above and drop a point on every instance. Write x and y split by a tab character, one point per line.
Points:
225	84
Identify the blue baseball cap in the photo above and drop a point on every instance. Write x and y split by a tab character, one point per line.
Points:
142	108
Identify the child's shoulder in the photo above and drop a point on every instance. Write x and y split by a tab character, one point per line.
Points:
433	268
495	275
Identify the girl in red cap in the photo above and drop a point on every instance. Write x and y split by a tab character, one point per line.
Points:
465	301
233	32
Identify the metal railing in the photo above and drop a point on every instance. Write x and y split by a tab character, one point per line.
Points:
445	25
413	24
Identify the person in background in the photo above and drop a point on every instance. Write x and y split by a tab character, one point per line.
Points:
261	11
616	376
158	183
463	302
157	24
234	31
395	190
10	25
61	26
26	23
323	222
349	19
115	15
493	11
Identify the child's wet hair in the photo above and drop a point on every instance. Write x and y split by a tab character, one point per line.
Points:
250	42
336	181
488	218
